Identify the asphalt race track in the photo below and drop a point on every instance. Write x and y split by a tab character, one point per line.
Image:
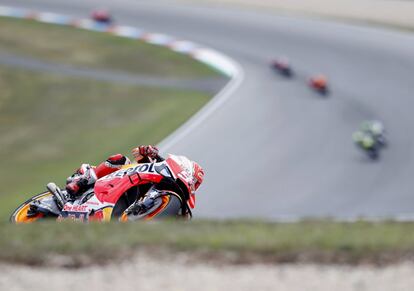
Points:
275	149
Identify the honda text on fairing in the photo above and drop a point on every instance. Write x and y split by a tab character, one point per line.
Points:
135	192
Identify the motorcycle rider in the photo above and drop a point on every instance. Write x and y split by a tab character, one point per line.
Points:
87	175
373	127
376	129
370	137
363	140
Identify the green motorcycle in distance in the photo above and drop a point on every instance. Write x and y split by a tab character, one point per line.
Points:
370	138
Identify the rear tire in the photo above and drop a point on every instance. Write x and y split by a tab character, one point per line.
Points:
20	214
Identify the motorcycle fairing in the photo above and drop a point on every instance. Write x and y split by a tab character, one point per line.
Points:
182	169
109	188
92	210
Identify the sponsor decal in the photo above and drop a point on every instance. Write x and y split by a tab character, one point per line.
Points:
139	169
75	208
74	216
92	203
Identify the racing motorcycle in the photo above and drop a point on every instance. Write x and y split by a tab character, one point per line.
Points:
369	143
135	192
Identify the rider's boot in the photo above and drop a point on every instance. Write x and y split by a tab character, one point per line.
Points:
48	205
80	181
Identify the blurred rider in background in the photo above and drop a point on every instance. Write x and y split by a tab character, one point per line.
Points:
373	127
370	137
363	140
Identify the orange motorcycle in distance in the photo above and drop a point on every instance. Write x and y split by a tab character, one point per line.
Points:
319	83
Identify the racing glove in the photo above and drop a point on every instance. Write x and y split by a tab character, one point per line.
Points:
144	151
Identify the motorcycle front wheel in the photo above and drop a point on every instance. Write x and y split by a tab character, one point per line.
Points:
165	206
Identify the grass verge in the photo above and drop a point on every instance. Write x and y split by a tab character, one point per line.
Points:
223	242
50	124
97	50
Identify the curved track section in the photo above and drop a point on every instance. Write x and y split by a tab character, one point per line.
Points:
274	149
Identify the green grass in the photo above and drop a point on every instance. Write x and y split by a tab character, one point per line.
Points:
50	124
308	241
73	46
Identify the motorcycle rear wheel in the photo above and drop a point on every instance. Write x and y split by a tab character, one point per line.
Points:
20	214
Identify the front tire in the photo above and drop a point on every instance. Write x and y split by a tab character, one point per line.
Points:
168	206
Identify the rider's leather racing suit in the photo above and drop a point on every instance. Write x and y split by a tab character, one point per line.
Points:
87	175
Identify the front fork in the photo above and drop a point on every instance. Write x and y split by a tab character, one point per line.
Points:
144	203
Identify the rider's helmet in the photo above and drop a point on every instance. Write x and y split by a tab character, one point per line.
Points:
198	176
189	174
197	179
377	128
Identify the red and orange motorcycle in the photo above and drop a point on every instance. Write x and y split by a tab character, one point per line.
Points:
135	192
